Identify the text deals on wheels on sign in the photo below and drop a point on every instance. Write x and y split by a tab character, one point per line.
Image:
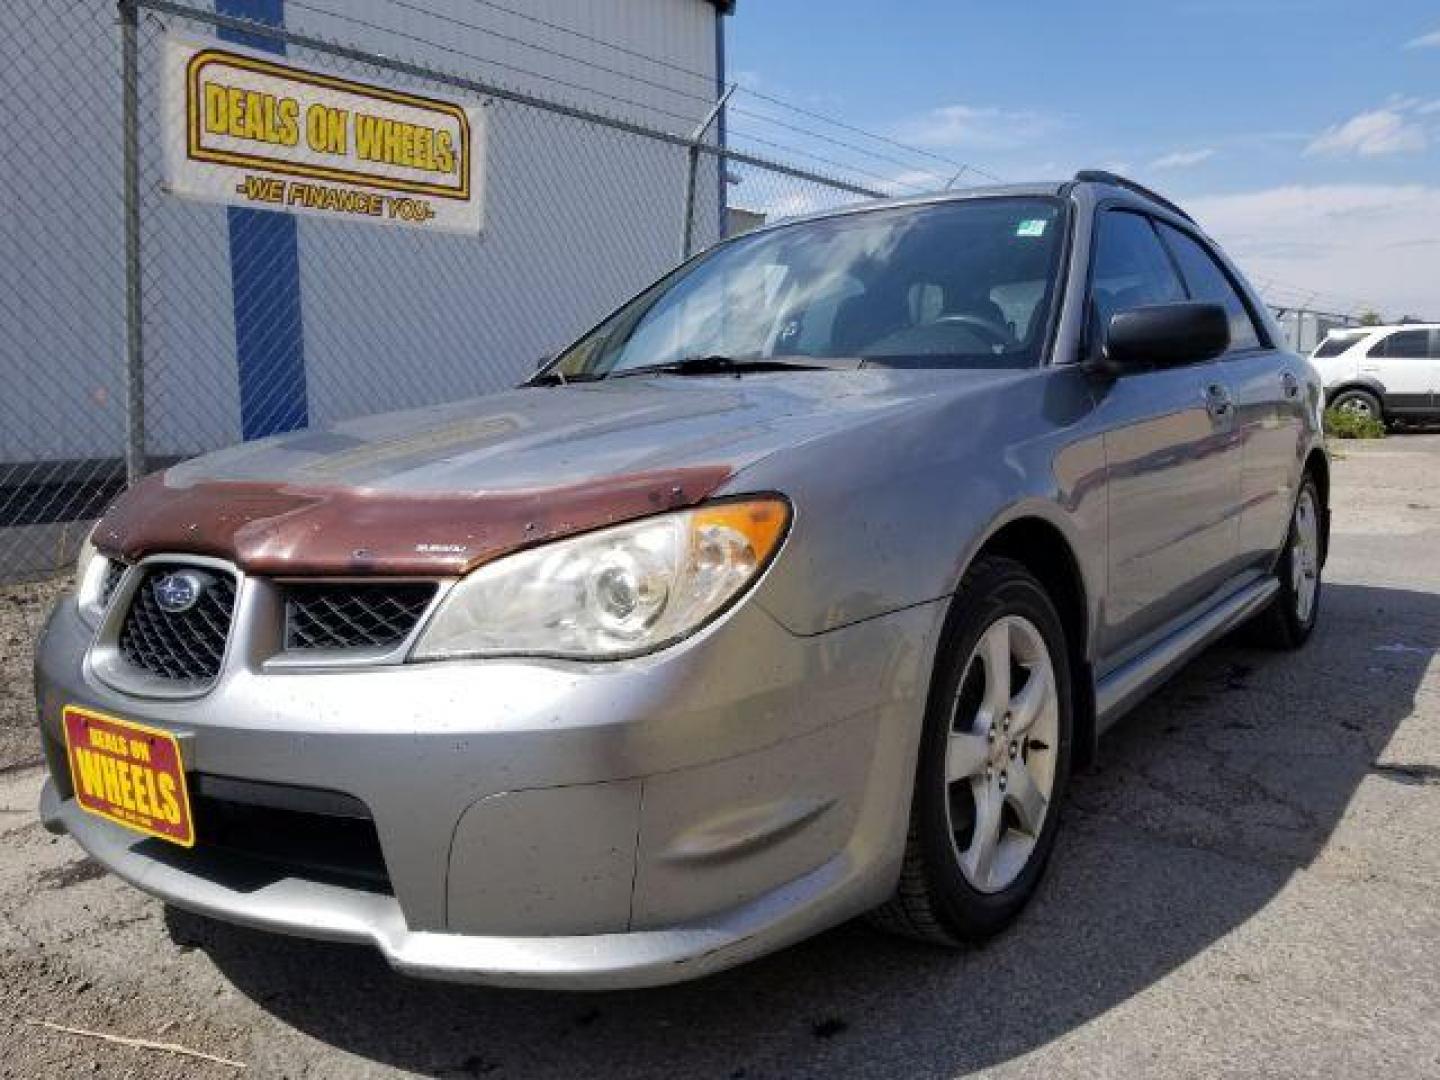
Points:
245	130
128	773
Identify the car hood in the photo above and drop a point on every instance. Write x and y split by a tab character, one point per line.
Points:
444	488
540	437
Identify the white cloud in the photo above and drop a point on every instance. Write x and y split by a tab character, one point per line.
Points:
1182	159
1374	243
972	127
1390	130
1425	41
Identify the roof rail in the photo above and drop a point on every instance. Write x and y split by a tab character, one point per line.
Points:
1100	176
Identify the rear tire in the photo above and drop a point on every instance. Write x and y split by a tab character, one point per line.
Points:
994	762
1289	620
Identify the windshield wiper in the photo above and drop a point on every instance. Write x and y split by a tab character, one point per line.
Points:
557	378
719	364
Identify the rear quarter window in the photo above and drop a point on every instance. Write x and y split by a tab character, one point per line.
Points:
1334	346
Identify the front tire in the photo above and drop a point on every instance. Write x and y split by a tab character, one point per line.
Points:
994	762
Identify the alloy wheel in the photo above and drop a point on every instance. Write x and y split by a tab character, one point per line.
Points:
1001	754
1305	556
1356	406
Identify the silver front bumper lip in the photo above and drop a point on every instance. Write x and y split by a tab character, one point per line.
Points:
575	962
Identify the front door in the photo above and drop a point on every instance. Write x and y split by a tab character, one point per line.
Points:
1172	457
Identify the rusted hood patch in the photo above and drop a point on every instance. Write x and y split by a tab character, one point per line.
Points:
281	529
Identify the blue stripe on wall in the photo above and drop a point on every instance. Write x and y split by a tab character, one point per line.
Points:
265	281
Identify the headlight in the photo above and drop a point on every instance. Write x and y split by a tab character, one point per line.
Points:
616	592
84	561
90	570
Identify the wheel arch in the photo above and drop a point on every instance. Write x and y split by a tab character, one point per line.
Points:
1371	386
1043	548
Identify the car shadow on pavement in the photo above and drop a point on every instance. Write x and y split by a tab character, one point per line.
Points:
1205	803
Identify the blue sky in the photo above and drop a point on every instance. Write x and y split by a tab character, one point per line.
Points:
1306	135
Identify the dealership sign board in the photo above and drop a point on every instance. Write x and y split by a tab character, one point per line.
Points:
245	129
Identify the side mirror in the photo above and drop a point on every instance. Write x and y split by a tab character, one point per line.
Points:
543	361
1163	335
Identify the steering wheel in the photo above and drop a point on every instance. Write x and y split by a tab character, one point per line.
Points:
998	334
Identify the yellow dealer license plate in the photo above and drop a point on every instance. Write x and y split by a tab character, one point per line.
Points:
129	774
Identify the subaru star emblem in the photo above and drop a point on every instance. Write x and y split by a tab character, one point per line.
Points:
177	593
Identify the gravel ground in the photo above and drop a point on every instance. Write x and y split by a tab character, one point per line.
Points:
22	610
1248	885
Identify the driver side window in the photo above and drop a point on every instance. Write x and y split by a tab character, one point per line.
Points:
1131	268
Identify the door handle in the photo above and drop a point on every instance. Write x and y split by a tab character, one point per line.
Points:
1290	384
1217	401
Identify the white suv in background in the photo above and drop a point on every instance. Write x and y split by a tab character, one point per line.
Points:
1389	372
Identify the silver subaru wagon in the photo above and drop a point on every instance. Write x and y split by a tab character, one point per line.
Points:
794	590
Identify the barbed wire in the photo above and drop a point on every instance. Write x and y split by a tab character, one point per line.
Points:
546	50
742	89
959	166
868	170
309	5
735	138
954	168
592	39
1301	297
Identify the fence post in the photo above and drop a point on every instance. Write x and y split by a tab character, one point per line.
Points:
135	466
692	172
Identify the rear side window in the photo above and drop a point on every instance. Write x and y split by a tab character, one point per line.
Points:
1208	282
1404	345
1334	345
1131	268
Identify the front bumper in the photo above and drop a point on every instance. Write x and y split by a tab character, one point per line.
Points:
552	823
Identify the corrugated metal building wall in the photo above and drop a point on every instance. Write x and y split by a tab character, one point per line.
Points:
350	318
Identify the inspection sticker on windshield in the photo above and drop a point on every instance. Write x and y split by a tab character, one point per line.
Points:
1031	227
129	773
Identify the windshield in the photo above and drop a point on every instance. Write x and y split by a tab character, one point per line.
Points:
958	284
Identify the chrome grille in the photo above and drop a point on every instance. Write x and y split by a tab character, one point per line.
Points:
353	616
187	646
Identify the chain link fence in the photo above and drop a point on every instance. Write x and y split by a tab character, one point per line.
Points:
62	349
1306	328
143	328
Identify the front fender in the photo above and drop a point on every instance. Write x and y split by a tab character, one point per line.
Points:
1077	527
889	514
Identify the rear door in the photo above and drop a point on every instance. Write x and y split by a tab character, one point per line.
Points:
1269	405
1433	369
1172	462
